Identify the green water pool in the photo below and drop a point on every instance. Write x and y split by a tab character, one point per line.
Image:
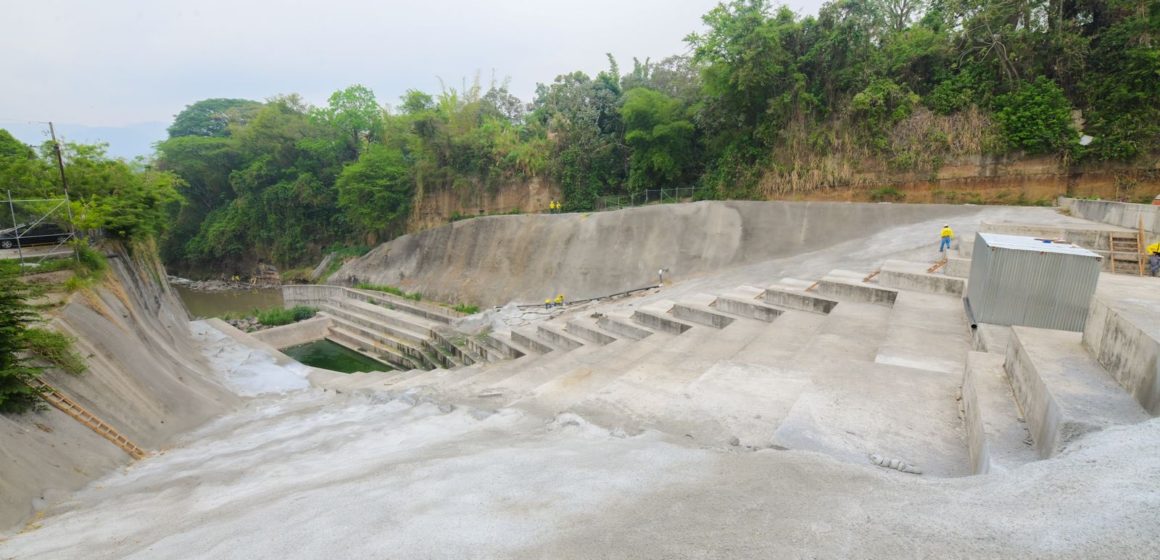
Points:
328	355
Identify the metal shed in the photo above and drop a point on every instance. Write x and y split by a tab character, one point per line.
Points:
1019	280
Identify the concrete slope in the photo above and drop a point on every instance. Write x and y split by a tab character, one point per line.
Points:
146	378
494	260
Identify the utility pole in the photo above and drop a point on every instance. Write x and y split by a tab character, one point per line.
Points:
59	159
72	230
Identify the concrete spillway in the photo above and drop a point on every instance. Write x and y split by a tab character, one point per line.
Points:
771	406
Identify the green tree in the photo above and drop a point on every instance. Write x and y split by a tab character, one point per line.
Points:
212	117
1036	118
375	192
660	137
16	395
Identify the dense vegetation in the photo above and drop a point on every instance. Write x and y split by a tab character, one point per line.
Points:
767	102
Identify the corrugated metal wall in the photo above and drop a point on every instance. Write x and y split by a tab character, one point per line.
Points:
1035	289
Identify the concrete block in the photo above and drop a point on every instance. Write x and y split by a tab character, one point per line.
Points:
1063	392
996	434
913	276
531	342
957	267
557	338
847	289
1122	331
701	315
801	301
622	328
748	307
653	320
295	333
588	332
501	345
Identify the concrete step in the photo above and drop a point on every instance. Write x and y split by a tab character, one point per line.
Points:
557	337
793	284
846	286
501	344
441	353
354	340
650	390
411	307
997	436
851	409
412	338
700	314
747	307
797	299
587	375
455	342
1062	391
958	267
528	338
926	331
658	322
913	276
1123	333
501	386
623	328
384	340
783	339
587	329
435	378
853	331
392	317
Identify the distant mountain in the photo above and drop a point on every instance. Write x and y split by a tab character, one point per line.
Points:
124	141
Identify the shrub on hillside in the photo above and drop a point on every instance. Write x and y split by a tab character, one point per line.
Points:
1036	118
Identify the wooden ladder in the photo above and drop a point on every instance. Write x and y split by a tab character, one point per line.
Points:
78	412
1124	250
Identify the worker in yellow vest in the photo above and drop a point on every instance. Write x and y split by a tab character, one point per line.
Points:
560	300
1153	251
947	235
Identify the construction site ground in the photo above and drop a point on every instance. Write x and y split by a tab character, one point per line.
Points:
754	419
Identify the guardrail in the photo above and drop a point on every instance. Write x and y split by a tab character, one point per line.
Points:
616	202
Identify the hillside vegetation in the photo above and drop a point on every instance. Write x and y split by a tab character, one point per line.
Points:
766	103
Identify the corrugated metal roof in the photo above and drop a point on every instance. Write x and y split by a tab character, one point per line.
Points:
1021	243
1018	281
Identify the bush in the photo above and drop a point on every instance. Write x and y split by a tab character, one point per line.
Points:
1036	118
887	194
466	309
416	296
278	317
54	348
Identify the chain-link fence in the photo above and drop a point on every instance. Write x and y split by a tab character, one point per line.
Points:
35	229
616	202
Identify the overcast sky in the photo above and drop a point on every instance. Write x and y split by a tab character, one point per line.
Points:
118	63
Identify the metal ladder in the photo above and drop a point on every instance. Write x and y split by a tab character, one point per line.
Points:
70	407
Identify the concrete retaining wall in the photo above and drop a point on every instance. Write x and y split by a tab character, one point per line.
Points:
146	377
1121	214
495	260
295	334
1126	350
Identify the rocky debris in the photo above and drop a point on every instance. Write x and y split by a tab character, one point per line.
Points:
247	324
265	279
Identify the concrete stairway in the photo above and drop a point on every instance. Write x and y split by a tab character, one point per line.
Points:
845	367
1042	390
402	333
